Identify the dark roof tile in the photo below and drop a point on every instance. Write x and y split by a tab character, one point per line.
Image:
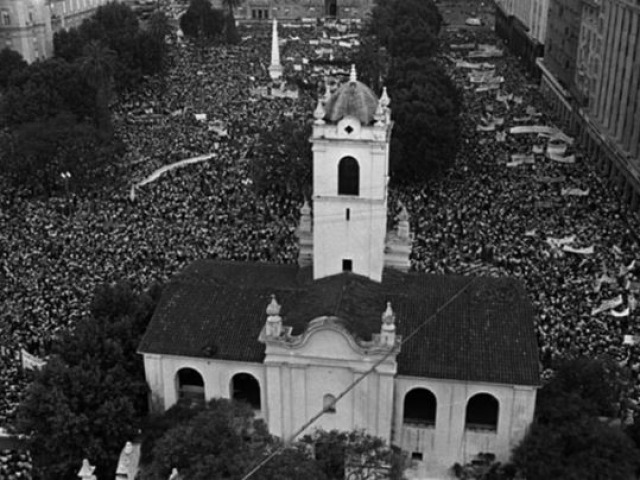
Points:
217	309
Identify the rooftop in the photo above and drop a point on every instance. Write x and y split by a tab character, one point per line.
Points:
217	309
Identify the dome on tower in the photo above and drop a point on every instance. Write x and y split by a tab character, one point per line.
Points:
353	99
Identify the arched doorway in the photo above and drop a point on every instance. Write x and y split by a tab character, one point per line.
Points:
331	8
190	385
420	408
245	388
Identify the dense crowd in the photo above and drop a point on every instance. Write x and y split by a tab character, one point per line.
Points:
487	216
53	253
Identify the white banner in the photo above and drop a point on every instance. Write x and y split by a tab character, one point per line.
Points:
608	305
623	313
559	242
31	362
575	192
579	251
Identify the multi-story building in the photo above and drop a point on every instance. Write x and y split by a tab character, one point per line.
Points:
602	100
27	26
295	9
561	43
523	25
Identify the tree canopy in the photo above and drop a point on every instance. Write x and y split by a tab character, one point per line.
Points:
88	399
202	21
574	436
400	39
11	63
115	25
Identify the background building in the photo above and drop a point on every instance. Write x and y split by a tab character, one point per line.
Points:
298	9
25	26
522	25
600	103
28	26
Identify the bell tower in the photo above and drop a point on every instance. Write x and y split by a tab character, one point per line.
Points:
351	136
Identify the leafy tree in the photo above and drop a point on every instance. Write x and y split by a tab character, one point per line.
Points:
97	65
115	25
355	455
406	27
36	153
372	62
46	89
426	110
11	62
86	402
221	442
201	21
582	387
586	449
484	467
284	164
292	462
231	31
68	44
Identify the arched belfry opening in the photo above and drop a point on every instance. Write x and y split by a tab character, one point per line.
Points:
348	176
331	8
246	388
190	385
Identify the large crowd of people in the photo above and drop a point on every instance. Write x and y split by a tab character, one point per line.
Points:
484	213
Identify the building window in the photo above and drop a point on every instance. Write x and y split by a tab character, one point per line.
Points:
245	388
420	408
347	265
31	17
417	456
347	214
482	413
6	18
190	385
348	176
328	403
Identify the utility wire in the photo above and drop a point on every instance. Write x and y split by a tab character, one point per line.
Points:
391	351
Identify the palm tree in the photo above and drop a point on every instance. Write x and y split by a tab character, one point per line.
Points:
232	33
98	65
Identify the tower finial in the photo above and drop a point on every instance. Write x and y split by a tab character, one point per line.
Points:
353	77
384	98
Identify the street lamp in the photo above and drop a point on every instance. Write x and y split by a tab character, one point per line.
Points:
66	176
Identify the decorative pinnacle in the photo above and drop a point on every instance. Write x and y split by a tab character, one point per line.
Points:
384	99
403	216
388	317
319	113
274	307
379	115
305	209
353	76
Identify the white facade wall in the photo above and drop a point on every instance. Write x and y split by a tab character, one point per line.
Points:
293	384
161	373
448	442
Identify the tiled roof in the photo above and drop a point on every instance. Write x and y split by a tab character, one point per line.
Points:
217	309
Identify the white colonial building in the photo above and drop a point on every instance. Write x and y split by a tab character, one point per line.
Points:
456	360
